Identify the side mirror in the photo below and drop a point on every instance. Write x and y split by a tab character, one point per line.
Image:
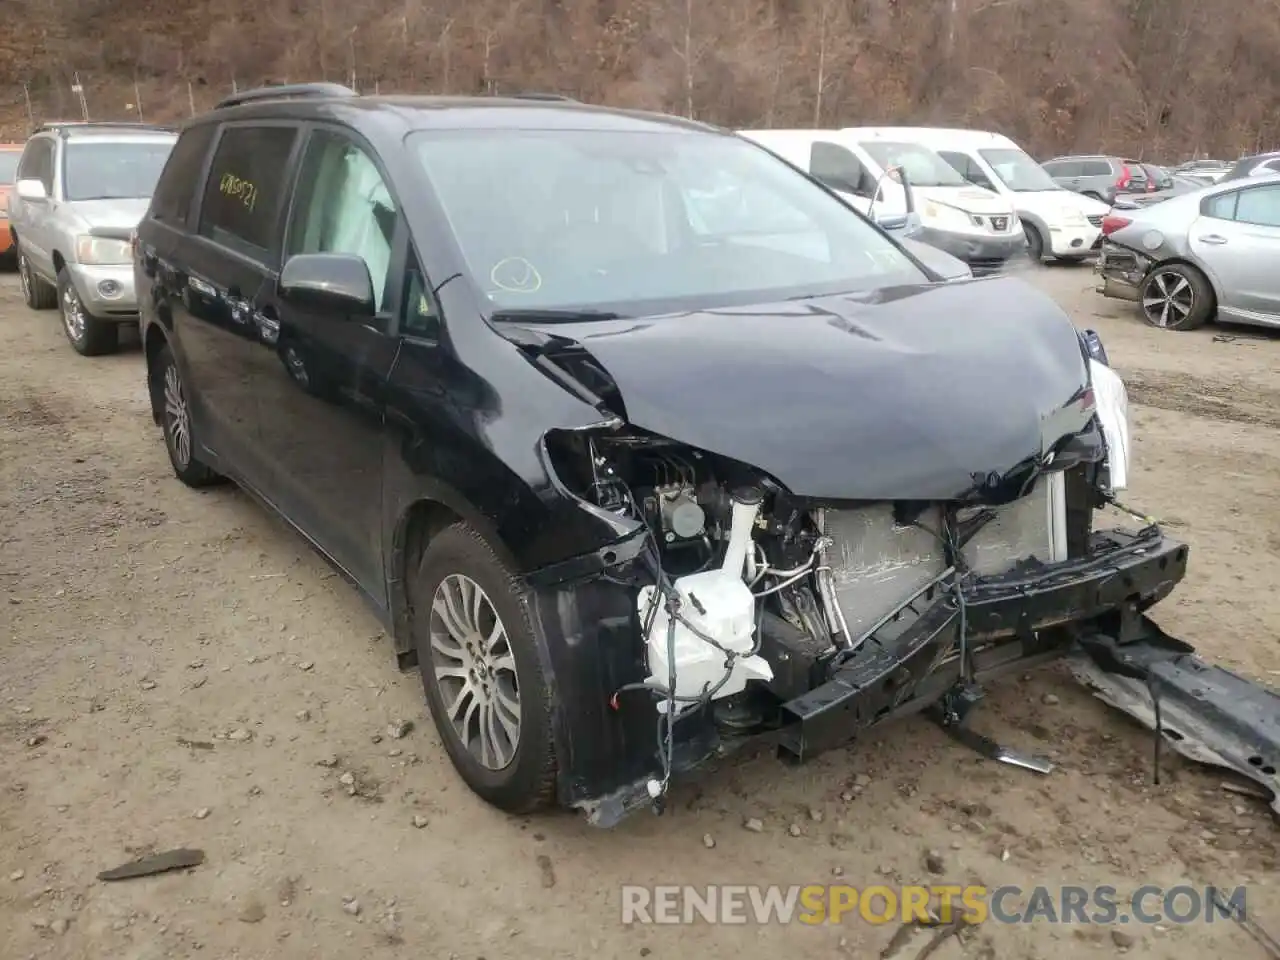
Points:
30	188
897	175
334	283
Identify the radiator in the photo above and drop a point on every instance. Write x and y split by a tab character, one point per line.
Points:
877	565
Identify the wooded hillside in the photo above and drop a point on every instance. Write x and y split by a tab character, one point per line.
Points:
1162	78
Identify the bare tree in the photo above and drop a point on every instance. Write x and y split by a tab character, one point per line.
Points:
1159	78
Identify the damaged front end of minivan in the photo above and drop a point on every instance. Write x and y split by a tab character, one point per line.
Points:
751	603
767	594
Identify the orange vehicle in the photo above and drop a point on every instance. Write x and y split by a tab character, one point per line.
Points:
9	154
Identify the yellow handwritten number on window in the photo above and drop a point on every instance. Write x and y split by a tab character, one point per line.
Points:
239	189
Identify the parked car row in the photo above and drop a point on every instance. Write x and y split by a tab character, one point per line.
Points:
642	444
1187	244
982	198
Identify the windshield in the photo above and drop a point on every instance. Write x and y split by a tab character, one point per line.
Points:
9	165
114	170
646	222
924	167
1018	172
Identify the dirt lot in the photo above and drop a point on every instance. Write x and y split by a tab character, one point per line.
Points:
138	614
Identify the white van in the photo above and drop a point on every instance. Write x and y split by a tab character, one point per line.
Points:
1058	223
977	226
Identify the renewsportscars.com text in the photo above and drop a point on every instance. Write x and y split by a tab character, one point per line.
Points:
841	903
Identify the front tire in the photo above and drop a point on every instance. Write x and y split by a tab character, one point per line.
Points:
482	674
175	418
88	335
36	294
1176	296
1035	242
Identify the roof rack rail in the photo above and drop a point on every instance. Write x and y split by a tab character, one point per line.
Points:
57	125
286	91
534	95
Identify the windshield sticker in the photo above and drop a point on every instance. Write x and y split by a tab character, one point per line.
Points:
238	189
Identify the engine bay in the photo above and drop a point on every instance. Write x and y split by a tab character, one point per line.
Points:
750	584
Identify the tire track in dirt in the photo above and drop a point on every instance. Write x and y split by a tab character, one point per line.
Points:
1236	401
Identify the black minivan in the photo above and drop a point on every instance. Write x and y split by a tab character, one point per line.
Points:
642	443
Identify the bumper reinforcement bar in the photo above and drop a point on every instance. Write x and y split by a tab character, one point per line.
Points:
887	669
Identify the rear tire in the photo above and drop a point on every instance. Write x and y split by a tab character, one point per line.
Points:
482	673
87	334
1176	296
175	418
37	294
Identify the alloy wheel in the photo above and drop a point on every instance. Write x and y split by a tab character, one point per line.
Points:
1168	298
475	671
24	277
72	313
177	417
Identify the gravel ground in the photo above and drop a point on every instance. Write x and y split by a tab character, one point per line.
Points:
178	670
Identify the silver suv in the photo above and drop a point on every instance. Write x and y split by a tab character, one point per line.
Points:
81	189
1099	177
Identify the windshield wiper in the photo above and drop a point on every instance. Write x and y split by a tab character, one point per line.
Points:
551	315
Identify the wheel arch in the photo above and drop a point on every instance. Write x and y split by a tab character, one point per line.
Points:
153	341
1185	262
415	526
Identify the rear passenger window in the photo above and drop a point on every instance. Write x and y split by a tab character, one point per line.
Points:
243	193
1259	206
177	187
1097	168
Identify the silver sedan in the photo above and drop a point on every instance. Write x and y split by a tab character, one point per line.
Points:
1210	253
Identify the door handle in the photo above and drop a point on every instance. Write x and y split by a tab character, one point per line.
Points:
268	326
1213	238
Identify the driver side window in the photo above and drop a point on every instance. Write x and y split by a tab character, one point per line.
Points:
837	168
343	205
964	165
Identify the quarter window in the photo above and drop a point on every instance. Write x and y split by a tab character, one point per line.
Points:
342	205
242	196
421	318
1222	207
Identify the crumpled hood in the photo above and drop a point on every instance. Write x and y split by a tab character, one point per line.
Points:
909	393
